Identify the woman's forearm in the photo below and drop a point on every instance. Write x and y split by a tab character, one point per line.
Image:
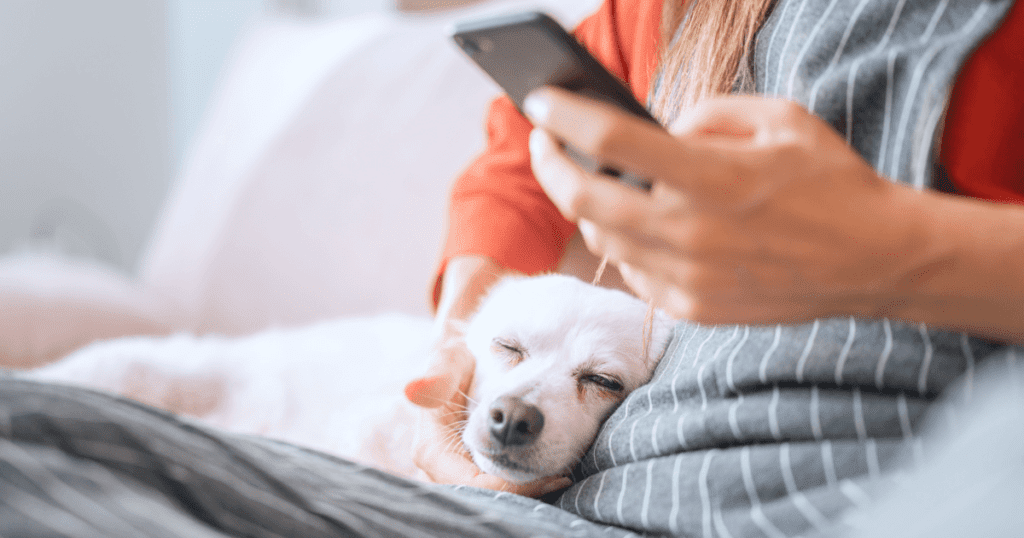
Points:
465	280
969	274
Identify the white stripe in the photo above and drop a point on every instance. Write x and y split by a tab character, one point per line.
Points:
576	501
807	45
597	497
891	28
700	372
851	82
915	81
874	468
965	346
934	22
816	414
807	352
851	85
756	514
829	464
858	415
673	515
720	527
763	369
673	361
904	413
696	356
680	436
907	428
855	493
883	145
1011	366
773	414
839	52
632	430
841	363
734	423
679	367
622	495
705	494
785	45
730	379
926	362
772	40
920	171
808	510
644	522
886	352
654	435
700	385
611	434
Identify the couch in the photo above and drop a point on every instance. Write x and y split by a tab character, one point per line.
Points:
315	189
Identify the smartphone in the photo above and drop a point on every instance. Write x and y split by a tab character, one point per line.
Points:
525	51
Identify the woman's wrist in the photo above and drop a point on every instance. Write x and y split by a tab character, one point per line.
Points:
967	267
466	279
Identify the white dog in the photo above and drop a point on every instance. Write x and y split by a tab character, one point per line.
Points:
555	356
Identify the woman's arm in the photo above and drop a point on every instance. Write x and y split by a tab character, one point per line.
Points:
973	276
761	214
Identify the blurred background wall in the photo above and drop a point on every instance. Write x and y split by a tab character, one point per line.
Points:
99	102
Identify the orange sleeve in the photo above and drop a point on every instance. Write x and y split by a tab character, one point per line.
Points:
983	141
496	207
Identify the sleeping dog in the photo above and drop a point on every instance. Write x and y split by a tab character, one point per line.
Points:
555	357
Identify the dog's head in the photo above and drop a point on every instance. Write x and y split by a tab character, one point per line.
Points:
554	358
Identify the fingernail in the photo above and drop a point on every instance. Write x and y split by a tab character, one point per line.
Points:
536	108
535	140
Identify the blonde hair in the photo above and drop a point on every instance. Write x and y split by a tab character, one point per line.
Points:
706	51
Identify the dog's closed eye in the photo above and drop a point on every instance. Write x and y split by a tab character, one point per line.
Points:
604	382
511	350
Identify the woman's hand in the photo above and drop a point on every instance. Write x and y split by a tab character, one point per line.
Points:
760	212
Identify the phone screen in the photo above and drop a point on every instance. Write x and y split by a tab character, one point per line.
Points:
526	51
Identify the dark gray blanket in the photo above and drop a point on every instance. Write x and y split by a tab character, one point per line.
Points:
79	463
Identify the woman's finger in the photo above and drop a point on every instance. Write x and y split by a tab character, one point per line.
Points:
620	139
579	194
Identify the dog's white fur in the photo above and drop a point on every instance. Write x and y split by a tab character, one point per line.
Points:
555	343
337	386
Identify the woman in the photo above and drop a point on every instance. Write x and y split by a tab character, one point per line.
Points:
764	213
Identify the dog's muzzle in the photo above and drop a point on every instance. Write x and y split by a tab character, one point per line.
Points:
514	422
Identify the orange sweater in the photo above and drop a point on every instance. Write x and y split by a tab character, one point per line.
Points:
497	208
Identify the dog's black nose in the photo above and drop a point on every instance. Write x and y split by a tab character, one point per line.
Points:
515	422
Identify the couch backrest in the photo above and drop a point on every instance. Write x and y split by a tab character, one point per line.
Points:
318	186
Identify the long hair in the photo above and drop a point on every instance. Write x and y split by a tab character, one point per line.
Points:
706	51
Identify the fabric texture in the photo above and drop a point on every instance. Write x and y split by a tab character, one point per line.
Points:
769	431
74	462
